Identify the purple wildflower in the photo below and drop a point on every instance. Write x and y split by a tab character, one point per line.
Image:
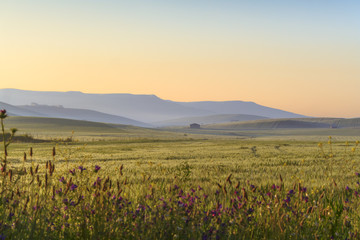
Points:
62	180
81	168
97	182
97	168
72	171
73	187
287	200
3	114
250	210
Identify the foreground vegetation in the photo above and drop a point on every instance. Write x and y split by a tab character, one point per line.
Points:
180	189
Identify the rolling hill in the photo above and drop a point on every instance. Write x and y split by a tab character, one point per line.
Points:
212	119
143	108
81	114
36	110
289	123
18	111
240	107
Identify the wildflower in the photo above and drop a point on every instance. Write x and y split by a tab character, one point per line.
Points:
59	191
72	171
250	210
97	182
62	180
97	168
287	200
73	187
81	168
3	114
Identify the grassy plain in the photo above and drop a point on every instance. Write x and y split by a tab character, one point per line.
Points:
210	160
157	184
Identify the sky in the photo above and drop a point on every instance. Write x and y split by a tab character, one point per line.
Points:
299	56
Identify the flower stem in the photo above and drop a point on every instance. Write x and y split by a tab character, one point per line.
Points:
3	134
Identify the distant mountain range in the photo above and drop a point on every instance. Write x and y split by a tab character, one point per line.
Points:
138	110
36	110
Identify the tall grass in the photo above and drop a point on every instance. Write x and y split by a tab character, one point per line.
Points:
60	196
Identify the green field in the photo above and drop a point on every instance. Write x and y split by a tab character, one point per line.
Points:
182	183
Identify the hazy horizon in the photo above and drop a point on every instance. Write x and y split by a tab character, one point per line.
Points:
301	57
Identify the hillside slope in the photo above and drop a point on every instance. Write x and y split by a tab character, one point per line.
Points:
18	111
212	119
290	123
143	108
80	114
241	107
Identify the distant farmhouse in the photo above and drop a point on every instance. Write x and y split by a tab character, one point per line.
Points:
195	126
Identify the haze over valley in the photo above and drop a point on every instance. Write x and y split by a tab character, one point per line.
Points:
150	111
